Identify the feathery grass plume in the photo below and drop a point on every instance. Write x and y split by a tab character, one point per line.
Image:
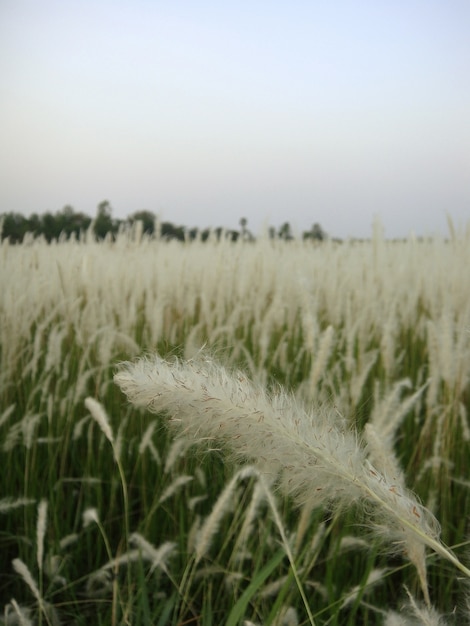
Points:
274	588
386	403
22	569
99	415
382	455
176	451
257	499
374	578
158	557
358	375
316	459
194	501
146	440
21	615
193	534
23	432
464	422
288	617
41	532
414	615
388	344
177	484
6	414
68	540
55	340
90	516
408	403
224	503
102	581
321	359
425	614
8	504
349	542
79	426
52	567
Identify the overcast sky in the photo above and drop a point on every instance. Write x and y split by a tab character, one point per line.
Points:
205	112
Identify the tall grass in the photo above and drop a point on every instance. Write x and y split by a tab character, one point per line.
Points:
362	348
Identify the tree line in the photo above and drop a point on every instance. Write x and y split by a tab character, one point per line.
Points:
68	223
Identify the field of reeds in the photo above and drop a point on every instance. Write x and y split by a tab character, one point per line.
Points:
249	433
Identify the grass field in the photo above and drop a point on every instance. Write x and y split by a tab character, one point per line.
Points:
260	472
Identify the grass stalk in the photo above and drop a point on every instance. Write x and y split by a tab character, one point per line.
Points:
286	545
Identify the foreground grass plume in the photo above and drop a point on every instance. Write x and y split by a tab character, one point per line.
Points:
317	460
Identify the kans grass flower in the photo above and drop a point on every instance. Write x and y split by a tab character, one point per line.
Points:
317	460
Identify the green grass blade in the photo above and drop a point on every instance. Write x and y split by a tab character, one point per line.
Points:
238	611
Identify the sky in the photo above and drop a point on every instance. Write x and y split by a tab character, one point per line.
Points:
338	112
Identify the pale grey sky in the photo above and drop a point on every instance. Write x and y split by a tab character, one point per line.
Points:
204	112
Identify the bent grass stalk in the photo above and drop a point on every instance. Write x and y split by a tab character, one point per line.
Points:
22	569
317	461
40	536
20	613
98	413
285	542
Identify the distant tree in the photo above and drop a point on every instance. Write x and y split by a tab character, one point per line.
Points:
14	227
232	235
193	233
68	222
170	231
245	233
79	223
68	212
50	226
103	222
147	218
316	232
65	221
34	224
223	233
205	234
285	232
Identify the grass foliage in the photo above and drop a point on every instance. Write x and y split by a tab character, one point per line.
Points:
359	354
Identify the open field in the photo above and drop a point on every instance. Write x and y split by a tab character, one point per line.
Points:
112	514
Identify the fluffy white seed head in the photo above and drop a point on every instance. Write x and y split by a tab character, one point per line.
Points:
41	532
17	615
22	569
316	460
90	516
99	415
158	557
8	504
224	504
